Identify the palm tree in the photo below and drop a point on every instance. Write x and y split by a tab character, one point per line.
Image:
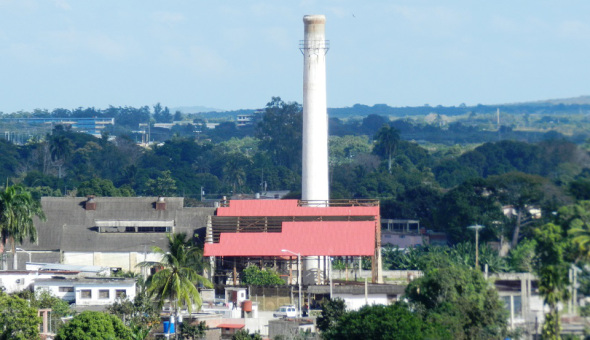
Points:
234	171
387	140
17	210
178	275
60	148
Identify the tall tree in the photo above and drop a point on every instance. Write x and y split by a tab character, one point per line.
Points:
280	132
60	147
521	191
17	210
177	279
552	270
387	139
468	204
461	300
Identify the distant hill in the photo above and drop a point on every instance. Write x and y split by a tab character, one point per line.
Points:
581	100
558	106
194	109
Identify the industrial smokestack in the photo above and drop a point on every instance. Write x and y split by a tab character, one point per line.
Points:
315	186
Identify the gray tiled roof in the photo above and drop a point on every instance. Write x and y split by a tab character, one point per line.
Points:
70	227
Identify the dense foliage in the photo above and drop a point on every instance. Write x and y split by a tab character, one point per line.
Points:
380	322
254	276
90	325
461	300
18	320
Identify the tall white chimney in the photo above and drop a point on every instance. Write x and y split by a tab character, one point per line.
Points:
315	185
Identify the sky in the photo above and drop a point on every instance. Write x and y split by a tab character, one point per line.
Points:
236	54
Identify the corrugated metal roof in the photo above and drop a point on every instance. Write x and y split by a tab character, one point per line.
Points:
306	238
70	227
291	208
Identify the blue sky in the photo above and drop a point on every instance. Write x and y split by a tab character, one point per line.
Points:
238	54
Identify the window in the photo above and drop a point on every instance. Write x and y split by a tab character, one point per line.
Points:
66	289
134	226
121	293
103	294
85	294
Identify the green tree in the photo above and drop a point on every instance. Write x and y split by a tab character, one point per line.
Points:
235	170
254	276
60	147
18	320
44	299
552	270
332	311
17	210
102	187
384	322
280	132
244	334
90	325
177	278
459	299
519	190
521	258
576	218
164	185
387	139
193	332
469	204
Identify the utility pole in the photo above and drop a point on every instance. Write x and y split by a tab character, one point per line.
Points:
477	227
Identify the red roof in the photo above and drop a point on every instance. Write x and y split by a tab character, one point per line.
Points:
291	208
306	238
230	325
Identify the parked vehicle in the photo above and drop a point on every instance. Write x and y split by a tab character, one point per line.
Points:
287	311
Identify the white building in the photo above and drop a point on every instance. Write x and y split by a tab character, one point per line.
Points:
88	291
17	280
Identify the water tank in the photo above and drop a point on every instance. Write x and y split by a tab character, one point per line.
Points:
168	327
247	306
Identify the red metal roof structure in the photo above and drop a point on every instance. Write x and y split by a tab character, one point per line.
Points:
306	238
346	229
294	208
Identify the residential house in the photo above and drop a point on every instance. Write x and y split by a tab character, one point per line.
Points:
93	291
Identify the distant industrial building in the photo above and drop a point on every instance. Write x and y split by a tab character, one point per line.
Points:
14	128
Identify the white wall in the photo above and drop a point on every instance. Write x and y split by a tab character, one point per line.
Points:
355	302
17	281
127	261
96	300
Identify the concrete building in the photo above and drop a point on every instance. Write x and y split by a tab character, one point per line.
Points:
114	232
88	291
275	231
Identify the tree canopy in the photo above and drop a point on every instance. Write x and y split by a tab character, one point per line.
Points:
90	325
